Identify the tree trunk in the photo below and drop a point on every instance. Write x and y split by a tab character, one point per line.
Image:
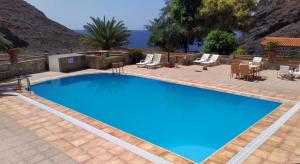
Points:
186	47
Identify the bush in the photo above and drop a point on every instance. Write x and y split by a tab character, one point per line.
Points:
240	52
220	42
136	55
297	56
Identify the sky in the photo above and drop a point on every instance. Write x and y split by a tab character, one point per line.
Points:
75	13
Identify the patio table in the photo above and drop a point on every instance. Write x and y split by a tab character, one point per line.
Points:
253	69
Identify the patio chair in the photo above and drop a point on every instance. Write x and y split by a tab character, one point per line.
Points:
148	60
245	71
155	62
203	58
256	61
297	72
235	69
257	64
284	72
212	60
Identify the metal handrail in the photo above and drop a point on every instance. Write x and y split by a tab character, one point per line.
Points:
20	78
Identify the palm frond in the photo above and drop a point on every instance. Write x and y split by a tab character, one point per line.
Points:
106	34
4	43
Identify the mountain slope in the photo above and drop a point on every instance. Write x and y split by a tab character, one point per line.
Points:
28	27
273	18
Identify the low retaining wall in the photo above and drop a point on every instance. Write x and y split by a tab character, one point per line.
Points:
292	62
99	62
176	57
24	67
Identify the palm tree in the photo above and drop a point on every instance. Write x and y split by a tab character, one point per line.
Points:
106	34
4	43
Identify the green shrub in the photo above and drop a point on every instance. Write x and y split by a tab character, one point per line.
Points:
112	58
220	42
272	46
297	56
239	52
136	55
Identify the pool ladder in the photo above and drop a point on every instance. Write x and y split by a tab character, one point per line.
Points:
20	78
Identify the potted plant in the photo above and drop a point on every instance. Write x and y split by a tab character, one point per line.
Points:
271	48
169	64
13	54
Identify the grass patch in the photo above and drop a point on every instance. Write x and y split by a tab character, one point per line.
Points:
112	58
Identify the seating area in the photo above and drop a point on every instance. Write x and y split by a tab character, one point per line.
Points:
151	61
247	71
242	70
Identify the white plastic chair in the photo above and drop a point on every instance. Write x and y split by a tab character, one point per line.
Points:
256	61
284	72
297	72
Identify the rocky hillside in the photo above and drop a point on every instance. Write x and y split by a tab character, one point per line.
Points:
28	27
273	18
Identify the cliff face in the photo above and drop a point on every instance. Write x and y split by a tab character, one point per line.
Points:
28	27
273	18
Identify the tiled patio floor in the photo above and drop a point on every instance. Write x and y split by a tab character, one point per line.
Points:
269	85
60	135
20	145
282	147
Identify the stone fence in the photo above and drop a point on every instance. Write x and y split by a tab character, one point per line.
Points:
9	70
90	60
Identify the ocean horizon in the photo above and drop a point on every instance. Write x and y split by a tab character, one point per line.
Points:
139	39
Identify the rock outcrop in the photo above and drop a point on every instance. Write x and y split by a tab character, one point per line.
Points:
28	27
273	18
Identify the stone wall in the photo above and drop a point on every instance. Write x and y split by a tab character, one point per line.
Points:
292	62
24	67
176	57
99	62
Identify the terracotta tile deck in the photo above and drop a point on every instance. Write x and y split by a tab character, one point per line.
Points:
21	145
77	144
83	146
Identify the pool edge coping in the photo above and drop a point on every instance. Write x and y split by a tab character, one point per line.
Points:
262	137
132	148
191	84
146	153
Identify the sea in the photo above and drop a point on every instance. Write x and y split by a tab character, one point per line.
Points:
139	39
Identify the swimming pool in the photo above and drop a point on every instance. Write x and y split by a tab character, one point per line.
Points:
191	122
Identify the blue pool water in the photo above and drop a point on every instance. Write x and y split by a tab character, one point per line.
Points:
188	121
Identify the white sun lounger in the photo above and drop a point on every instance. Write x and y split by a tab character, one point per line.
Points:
284	72
204	58
148	60
155	62
212	60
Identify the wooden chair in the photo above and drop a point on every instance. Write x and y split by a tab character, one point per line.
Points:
235	69
245	71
